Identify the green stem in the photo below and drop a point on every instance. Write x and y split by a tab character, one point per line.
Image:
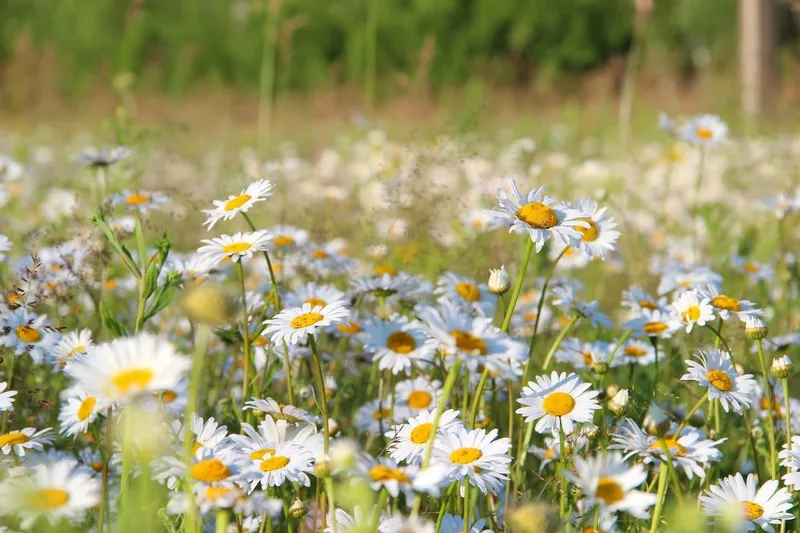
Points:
467	487
245	332
323	394
478	393
200	349
662	490
222	521
331	502
106	457
563	467
785	383
770	409
518	287
561	336
444	506
691	412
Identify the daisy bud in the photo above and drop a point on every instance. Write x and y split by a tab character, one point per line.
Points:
782	367
208	304
591	432
600	368
344	454
656	421
755	328
333	427
533	518
499	282
298	509
612	390
322	468
619	403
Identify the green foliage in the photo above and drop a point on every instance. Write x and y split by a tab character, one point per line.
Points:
177	43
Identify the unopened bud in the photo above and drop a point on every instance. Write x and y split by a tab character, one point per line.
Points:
333	427
298	509
755	328
619	403
499	282
600	368
782	367
322	467
591	432
656	421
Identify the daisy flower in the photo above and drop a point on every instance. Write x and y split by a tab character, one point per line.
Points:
791	460
293	325
58	491
542	217
141	201
600	237
23	440
397	344
455	524
257	442
78	411
582	355
637	299
413	396
408	441
465	293
205	433
714	369
753	269
129	367
475	456
288	462
256	192
727	306
608	481
690	310
752	507
288	237
375	416
104	157
26	332
234	247
313	294
653	324
558	401
210	467
279	411
681	277
6	398
703	130
355	523
72	344
402	524
385	473
635	352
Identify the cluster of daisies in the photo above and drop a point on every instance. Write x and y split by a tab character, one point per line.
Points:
271	380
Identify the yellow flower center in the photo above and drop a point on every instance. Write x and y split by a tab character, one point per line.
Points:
137	199
752	511
675	448
727	303
384	473
587	358
692	314
283	241
381	270
381	414
421	433
306	320
14	438
468	291
419	399
609	490
313	302
28	334
111	284
97	466
750	267
169	396
634	351
468	342
321	254
236	203
77	349
260	341
654	328
259	454
558	404
86	408
647	304
273	463
401	342
538	215
350	328
720	380
209	471
236	247
464	456
134	378
48	498
591	233
704	133
530	316
214	493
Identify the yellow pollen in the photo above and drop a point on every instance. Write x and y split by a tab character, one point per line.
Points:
381	414
260	341
727	303
720	380
692	314
213	493
86	408
313	302
350	328
468	291
589	234
752	511
549	453
48	498
468	342
236	203
381	270
169	396
134	378
306	320
704	133
587	358
675	447
685	283
401	342
209	471
654	328
647	304
538	215
236	247
419	399
464	456
111	284
13	439
79	348
321	254
274	463
530	316
750	267
558	404
421	433
28	334
137	199
384	473
97	466
283	241
259	454
196	447
609	490
634	351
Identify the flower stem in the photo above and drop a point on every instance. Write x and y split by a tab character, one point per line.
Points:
785	383
331	502
200	348
476	400
245	332
104	482
323	395
561	336
221	522
467	505
563	467
518	287
770	410
691	412
662	490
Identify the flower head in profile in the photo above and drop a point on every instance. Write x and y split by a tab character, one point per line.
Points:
141	201
748	507
234	247
256	192
104	157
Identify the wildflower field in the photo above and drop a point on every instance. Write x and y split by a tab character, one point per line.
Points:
451	335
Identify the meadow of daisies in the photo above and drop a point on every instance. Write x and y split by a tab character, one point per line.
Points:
459	335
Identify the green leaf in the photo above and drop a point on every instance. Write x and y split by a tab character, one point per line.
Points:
110	322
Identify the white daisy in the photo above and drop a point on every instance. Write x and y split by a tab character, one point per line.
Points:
23	440
791	460
403	524
754	270
385	473
375	416
582	354
474	456
288	462
558	401
128	367
716	371
752	507
288	237
293	325
703	130
313	294
637	299
727	306
279	411
635	352
26	332
234	247
542	217
653	324
6	398
608	481
78	411
408	441
689	309
397	344
72	344
141	201
227	209
257	442
413	396
600	237
466	294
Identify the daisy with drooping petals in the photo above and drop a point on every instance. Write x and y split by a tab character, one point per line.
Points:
408	441
294	325
655	323
279	411
234	247
57	491
6	398
754	507
397	344
542	217
78	410
608	481
128	367
227	209
18	441
558	401
689	310
715	370
474	456
72	344
600	237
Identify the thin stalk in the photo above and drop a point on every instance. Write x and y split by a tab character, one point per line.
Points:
753	447
200	349
323	394
526	258
785	383
104	480
331	502
770	410
245	332
222	521
443	508
691	412
467	505
562	507
662	490
269	55
673	475
476	400
371	54
561	336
